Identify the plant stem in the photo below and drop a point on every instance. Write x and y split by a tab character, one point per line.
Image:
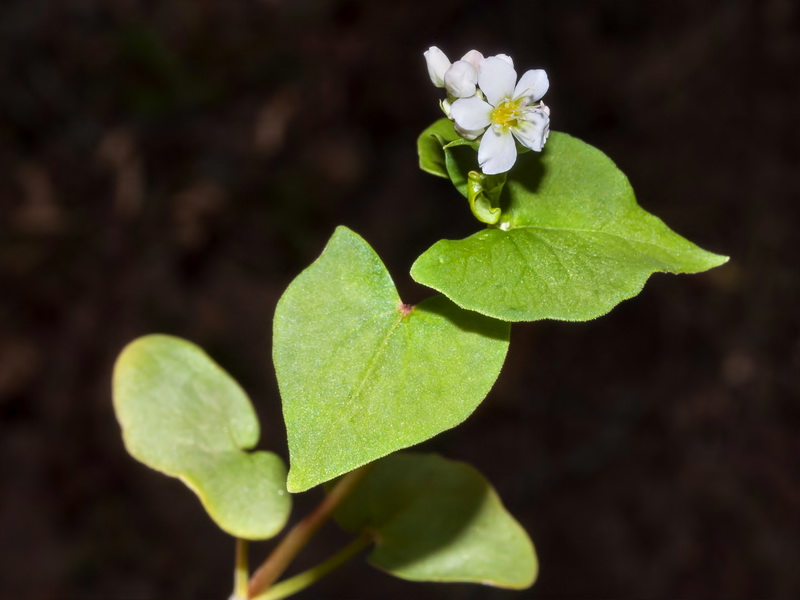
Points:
301	581
298	537
241	571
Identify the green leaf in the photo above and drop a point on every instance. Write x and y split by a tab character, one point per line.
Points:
181	414
444	153
441	153
460	161
438	520
361	374
430	143
571	243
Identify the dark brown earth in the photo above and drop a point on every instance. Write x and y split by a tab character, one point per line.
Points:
170	166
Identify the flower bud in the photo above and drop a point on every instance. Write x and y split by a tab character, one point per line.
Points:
505	57
461	79
474	58
438	64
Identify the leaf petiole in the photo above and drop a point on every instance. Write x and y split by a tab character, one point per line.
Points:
294	541
301	581
241	572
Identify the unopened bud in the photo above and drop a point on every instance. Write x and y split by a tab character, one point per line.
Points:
461	79
438	64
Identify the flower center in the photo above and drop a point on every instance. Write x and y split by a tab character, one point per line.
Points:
506	114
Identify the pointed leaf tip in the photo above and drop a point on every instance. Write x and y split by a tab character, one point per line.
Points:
571	243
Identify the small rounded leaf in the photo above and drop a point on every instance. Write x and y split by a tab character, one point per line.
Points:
361	374
435	519
181	414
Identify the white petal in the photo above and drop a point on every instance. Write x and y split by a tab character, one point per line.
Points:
438	64
471	113
461	79
532	132
469	134
474	58
505	57
545	108
497	79
533	84
497	152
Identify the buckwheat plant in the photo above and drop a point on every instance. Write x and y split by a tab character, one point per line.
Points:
362	375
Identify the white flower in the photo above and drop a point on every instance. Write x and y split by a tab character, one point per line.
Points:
460	78
509	111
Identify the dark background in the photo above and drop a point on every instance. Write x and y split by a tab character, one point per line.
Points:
171	166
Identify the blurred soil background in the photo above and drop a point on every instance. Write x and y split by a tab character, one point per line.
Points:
171	166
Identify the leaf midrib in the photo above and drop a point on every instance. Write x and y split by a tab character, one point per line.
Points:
357	389
591	231
371	363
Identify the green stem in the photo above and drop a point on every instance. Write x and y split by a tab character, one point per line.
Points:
290	546
301	581
241	571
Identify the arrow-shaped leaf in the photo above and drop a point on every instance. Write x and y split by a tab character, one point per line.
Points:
570	245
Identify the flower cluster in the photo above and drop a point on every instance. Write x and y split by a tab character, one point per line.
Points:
485	99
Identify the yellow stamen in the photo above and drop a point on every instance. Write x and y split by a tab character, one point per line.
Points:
506	114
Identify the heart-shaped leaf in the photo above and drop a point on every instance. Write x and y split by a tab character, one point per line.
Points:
181	414
435	519
571	243
361	374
